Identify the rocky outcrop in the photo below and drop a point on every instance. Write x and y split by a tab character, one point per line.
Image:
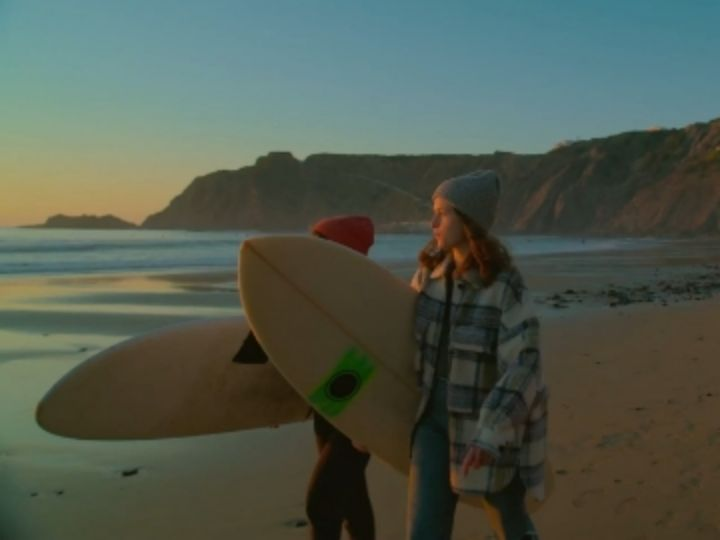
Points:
108	221
656	182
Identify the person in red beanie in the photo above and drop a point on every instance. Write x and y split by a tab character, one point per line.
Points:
355	232
338	491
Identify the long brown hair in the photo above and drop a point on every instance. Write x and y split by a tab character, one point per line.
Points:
487	253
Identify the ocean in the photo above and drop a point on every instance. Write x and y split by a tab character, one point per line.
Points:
60	252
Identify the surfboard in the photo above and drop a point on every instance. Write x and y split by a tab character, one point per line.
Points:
339	328
175	382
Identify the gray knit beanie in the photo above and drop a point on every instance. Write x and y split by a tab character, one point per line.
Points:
474	194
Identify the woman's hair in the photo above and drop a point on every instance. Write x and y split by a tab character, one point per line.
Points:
487	254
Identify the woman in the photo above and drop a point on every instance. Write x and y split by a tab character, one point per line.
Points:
481	425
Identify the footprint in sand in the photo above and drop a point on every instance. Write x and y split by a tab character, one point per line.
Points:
714	438
667	518
616	439
690	484
586	497
623	505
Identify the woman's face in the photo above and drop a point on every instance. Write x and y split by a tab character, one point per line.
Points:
446	225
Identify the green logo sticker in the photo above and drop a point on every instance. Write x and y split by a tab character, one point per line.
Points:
348	377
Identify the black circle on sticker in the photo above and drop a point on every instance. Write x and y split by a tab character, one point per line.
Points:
343	385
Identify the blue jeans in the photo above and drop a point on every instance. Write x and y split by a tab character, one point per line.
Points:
431	500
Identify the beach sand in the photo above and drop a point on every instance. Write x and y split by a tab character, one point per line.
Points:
635	434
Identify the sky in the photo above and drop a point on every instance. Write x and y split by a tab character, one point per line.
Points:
114	107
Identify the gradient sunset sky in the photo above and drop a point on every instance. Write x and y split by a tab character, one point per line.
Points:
114	107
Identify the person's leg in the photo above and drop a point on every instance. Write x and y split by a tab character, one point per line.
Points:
338	489
431	501
507	513
357	509
321	504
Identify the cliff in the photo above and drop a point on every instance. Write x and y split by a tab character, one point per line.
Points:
656	182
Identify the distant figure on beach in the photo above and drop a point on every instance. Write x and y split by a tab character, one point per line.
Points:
338	491
481	425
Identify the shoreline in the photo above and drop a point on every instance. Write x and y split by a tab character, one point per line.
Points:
123	304
395	227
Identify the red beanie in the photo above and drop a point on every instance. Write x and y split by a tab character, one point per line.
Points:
355	232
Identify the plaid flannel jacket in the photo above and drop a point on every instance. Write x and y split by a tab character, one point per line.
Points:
497	398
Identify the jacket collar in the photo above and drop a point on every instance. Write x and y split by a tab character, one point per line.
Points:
471	277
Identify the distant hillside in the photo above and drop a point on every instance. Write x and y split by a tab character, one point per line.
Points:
61	221
655	182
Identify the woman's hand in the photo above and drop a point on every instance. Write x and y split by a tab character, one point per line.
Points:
475	458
